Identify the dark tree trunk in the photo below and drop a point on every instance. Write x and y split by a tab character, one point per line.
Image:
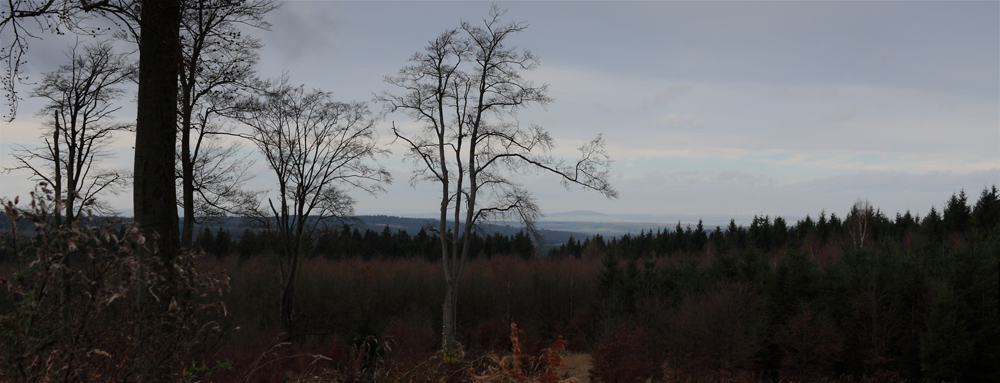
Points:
449	327
187	180
154	194
287	300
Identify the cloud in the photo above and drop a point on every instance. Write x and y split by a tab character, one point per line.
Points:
679	120
740	193
663	97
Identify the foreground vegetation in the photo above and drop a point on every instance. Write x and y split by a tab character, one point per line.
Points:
865	297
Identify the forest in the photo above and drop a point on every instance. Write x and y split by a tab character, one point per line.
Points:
866	297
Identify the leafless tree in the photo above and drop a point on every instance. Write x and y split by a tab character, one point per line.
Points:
859	222
319	150
81	101
218	63
155	25
466	88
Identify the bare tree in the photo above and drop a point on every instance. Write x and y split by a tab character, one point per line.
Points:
466	88
319	150
81	98
859	222
156	27
218	63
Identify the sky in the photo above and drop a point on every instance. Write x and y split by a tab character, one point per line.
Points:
708	108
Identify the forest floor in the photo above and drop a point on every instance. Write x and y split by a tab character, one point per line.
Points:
577	366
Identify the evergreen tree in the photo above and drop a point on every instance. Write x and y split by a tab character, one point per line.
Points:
932	226
247	244
700	238
986	214
522	245
957	214
946	346
206	241
223	243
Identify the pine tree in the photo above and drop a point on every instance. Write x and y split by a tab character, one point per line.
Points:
986	213
946	346
223	243
957	214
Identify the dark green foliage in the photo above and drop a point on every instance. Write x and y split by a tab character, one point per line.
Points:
946	347
349	242
219	244
932	226
522	245
916	299
957	214
986	213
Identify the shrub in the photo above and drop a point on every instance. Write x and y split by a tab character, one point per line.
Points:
521	367
72	312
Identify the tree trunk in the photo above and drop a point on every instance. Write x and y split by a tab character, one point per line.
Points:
288	290
287	299
154	193
187	180
449	326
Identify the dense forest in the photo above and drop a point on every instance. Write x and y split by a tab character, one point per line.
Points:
864	297
351	241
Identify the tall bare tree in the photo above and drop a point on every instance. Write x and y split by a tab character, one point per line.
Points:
81	101
218	63
466	88
156	24
319	150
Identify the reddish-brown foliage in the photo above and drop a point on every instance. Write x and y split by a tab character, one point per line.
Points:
521	367
624	355
410	340
715	332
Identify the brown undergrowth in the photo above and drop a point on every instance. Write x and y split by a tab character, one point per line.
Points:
94	303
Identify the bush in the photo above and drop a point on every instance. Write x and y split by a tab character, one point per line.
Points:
71	311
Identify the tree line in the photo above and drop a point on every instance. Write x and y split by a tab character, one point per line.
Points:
862	223
909	297
348	242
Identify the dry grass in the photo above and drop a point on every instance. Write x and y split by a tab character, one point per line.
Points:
577	366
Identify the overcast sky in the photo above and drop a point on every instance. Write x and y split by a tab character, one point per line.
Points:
731	108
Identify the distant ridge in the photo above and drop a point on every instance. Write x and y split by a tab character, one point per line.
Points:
413	226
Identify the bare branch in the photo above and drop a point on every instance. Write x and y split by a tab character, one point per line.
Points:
81	98
318	149
465	89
